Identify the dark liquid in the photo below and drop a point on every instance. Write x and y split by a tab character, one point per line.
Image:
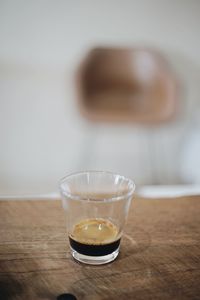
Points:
95	237
94	250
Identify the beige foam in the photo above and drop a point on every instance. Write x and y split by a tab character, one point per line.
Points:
95	231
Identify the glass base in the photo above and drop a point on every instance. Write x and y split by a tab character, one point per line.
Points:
95	260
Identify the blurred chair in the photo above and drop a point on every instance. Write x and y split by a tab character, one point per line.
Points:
127	85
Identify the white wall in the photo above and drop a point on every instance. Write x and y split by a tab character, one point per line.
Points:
42	134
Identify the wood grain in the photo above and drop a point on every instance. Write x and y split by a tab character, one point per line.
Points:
159	258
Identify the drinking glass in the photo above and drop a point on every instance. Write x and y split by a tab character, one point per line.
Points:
96	205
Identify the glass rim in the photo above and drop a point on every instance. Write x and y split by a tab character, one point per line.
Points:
125	195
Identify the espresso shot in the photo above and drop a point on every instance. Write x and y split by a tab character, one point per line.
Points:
95	237
96	205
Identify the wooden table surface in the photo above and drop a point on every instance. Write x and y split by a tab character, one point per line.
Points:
159	258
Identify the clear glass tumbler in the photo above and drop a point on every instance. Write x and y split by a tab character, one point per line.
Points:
96	205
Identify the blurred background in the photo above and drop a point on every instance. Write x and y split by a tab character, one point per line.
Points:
43	132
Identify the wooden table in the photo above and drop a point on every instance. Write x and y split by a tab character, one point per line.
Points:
159	259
